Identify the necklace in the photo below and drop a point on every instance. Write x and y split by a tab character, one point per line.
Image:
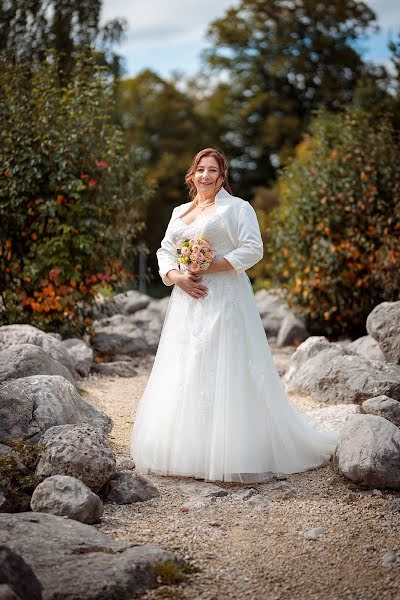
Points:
205	205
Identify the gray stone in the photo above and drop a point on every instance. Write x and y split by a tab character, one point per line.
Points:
368	347
15	335
7	593
306	350
244	494
18	575
332	417
383	406
117	368
75	561
272	309
27	359
80	451
127	487
128	334
383	324
124	303
389	558
67	496
81	355
196	504
368	452
338	376
259	502
31	405
291	332
204	490
315	533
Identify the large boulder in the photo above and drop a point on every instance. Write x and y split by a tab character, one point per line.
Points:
292	331
27	359
368	347
383	324
122	334
125	303
15	335
81	355
272	309
67	496
126	487
385	407
73	560
18	575
31	405
80	451
331	373
368	452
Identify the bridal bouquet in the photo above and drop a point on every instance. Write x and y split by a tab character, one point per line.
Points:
195	254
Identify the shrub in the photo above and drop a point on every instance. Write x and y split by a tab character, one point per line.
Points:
17	468
69	195
333	243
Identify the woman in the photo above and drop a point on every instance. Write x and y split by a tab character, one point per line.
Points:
214	407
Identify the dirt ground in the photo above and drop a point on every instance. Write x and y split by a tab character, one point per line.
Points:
246	551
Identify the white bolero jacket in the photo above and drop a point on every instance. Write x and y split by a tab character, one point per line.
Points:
240	221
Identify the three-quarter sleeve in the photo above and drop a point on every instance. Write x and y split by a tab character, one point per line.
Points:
250	248
166	254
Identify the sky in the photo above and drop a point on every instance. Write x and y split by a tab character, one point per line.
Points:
169	35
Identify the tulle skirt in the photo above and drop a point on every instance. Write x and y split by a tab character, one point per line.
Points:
214	407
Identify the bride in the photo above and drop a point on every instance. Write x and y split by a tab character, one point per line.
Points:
214	407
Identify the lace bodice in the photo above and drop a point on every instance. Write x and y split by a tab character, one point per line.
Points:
210	227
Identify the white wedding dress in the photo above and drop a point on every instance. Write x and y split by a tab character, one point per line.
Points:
214	407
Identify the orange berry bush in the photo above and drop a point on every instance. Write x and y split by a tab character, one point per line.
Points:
333	242
69	196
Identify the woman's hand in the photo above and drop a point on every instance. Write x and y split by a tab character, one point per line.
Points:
189	283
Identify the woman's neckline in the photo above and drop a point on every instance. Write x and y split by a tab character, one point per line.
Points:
210	214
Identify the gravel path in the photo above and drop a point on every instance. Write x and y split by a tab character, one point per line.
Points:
259	547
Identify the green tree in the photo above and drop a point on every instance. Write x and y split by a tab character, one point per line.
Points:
28	28
333	242
162	125
282	61
69	195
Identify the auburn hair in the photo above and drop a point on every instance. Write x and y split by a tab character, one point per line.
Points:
222	164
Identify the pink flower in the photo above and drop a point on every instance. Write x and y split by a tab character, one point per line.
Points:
179	245
195	248
194	266
200	257
185	251
192	241
193	256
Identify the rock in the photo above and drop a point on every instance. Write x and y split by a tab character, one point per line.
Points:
383	406
18	575
128	487
367	452
124	303
383	324
81	355
160	306
336	375
368	347
26	359
332	417
80	451
128	334
389	558
117	368
259	502
202	490
272	309
291	332
195	504
7	593
315	533
244	494
377	493
67	496
74	560
31	405
16	335
3	448
126	464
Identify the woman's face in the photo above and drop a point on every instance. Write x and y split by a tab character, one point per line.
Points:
207	177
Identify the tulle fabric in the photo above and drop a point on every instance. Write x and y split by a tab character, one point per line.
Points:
214	407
